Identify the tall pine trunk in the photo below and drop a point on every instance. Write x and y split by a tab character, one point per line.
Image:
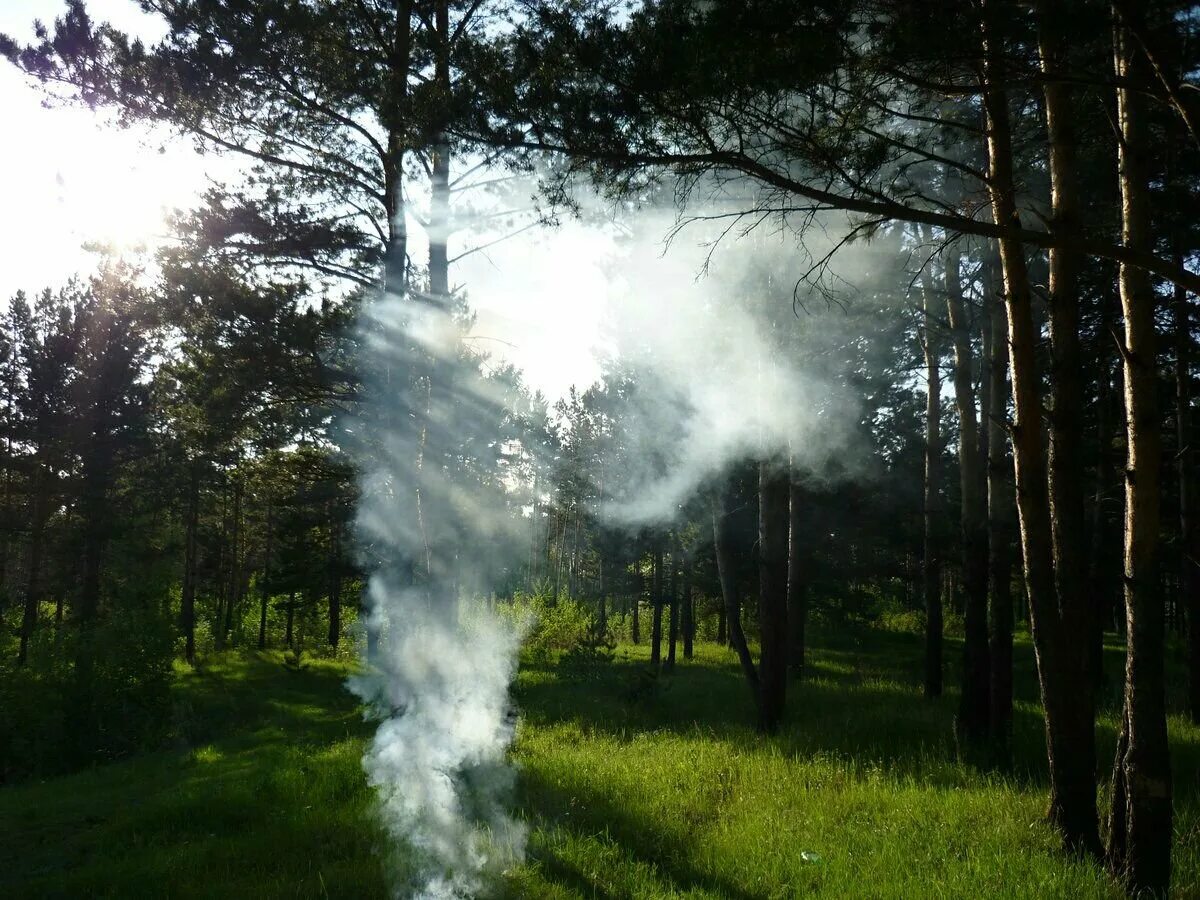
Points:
1069	730
187	606
729	596
973	719
1189	535
656	598
931	570
33	583
797	578
1140	826
264	589
999	515
689	612
673	600
773	482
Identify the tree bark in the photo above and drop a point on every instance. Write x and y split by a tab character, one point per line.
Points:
1140	848
33	584
187	606
999	515
335	582
973	718
733	618
1055	19
673	600
1189	535
797	578
1069	734
932	564
689	612
773	483
636	629
656	598
439	208
264	589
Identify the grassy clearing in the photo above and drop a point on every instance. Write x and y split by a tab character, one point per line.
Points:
632	788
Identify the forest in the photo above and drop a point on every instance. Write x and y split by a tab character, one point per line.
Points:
586	448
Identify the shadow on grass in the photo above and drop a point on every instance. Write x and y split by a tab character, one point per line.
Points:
264	796
584	814
861	700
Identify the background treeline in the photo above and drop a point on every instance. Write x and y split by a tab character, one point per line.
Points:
1026	375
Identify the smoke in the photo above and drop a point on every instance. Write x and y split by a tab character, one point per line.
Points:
436	525
730	350
713	366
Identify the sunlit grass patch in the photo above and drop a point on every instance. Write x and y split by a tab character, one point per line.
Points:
632	787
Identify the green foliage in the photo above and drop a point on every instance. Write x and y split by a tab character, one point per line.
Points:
263	793
590	659
51	721
552	626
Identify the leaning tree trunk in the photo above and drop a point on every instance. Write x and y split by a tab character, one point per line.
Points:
972	722
1072	774
932	565
1140	832
733	618
773	484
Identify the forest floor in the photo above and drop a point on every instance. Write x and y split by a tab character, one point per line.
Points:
632	787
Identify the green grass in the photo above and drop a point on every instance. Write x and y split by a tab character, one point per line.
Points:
632	788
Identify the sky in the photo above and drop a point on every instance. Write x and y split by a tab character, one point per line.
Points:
73	178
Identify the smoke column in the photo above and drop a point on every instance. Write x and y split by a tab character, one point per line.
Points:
436	527
724	372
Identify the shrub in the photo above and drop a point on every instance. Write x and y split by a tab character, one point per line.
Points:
51	720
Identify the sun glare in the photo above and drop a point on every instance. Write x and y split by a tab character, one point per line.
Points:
83	184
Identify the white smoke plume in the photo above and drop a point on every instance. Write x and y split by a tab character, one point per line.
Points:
436	527
724	371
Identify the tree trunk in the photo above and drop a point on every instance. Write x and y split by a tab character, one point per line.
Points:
235	583
733	618
673	600
395	260
187	606
1070	738
973	718
797	578
932	567
1103	576
656	599
33	584
1189	535
637	599
1055	19
335	583
439	208
689	612
291	619
1140	848
999	511
264	590
773	482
